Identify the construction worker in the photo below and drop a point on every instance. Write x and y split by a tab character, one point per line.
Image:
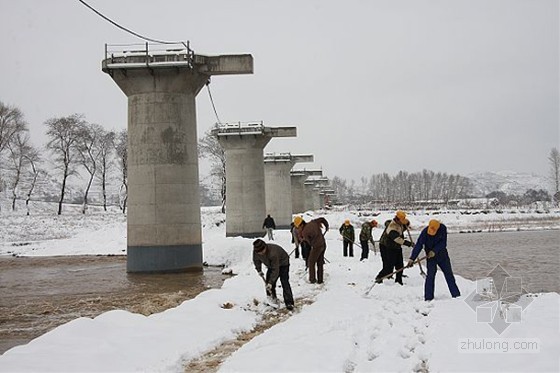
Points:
305	247
393	239
295	238
311	233
433	239
385	270
347	232
365	237
270	226
277	261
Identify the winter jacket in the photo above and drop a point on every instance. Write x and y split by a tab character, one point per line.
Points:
435	243
347	231
365	232
273	258
395	235
269	222
312	233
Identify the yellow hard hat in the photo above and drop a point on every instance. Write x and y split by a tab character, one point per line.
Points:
297	221
401	215
433	227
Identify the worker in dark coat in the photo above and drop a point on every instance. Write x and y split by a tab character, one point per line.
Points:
386	269
394	240
346	230
365	237
295	238
277	261
433	239
270	226
312	234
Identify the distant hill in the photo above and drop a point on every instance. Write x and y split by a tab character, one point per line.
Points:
508	182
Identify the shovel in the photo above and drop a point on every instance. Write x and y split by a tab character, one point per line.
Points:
391	274
422	273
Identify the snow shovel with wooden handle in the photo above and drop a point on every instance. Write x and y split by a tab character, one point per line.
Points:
378	281
422	273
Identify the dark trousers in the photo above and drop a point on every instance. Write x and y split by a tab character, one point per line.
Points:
348	248
286	288
385	261
365	250
305	250
442	260
392	260
316	257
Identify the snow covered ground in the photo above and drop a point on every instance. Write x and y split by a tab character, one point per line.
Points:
393	329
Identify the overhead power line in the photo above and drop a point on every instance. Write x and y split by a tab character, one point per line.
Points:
212	101
126	29
147	39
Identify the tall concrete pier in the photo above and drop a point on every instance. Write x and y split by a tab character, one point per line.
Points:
312	188
163	222
243	145
326	196
298	178
278	187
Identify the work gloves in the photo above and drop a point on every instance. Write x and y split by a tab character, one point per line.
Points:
408	243
410	263
268	287
431	254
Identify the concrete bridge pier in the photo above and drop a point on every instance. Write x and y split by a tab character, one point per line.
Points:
163	222
298	178
243	144
278	187
312	188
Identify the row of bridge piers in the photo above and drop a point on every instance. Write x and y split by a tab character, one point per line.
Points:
163	223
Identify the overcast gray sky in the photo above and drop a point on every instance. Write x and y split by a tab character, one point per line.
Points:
372	86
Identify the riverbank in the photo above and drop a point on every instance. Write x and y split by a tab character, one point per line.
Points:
44	233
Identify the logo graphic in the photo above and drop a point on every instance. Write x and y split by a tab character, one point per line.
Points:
498	299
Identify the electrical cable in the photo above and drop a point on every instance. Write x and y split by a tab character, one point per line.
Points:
148	39
212	101
128	30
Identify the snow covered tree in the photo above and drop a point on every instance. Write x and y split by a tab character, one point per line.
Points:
19	148
63	134
89	150
210	148
106	148
34	159
12	122
121	148
554	159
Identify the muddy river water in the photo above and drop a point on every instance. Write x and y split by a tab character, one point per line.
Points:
39	293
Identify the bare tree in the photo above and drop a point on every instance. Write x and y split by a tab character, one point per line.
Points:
34	158
12	122
210	148
106	147
121	147
63	134
554	159
18	147
89	150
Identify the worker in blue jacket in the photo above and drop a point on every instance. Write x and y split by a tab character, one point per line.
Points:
433	239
